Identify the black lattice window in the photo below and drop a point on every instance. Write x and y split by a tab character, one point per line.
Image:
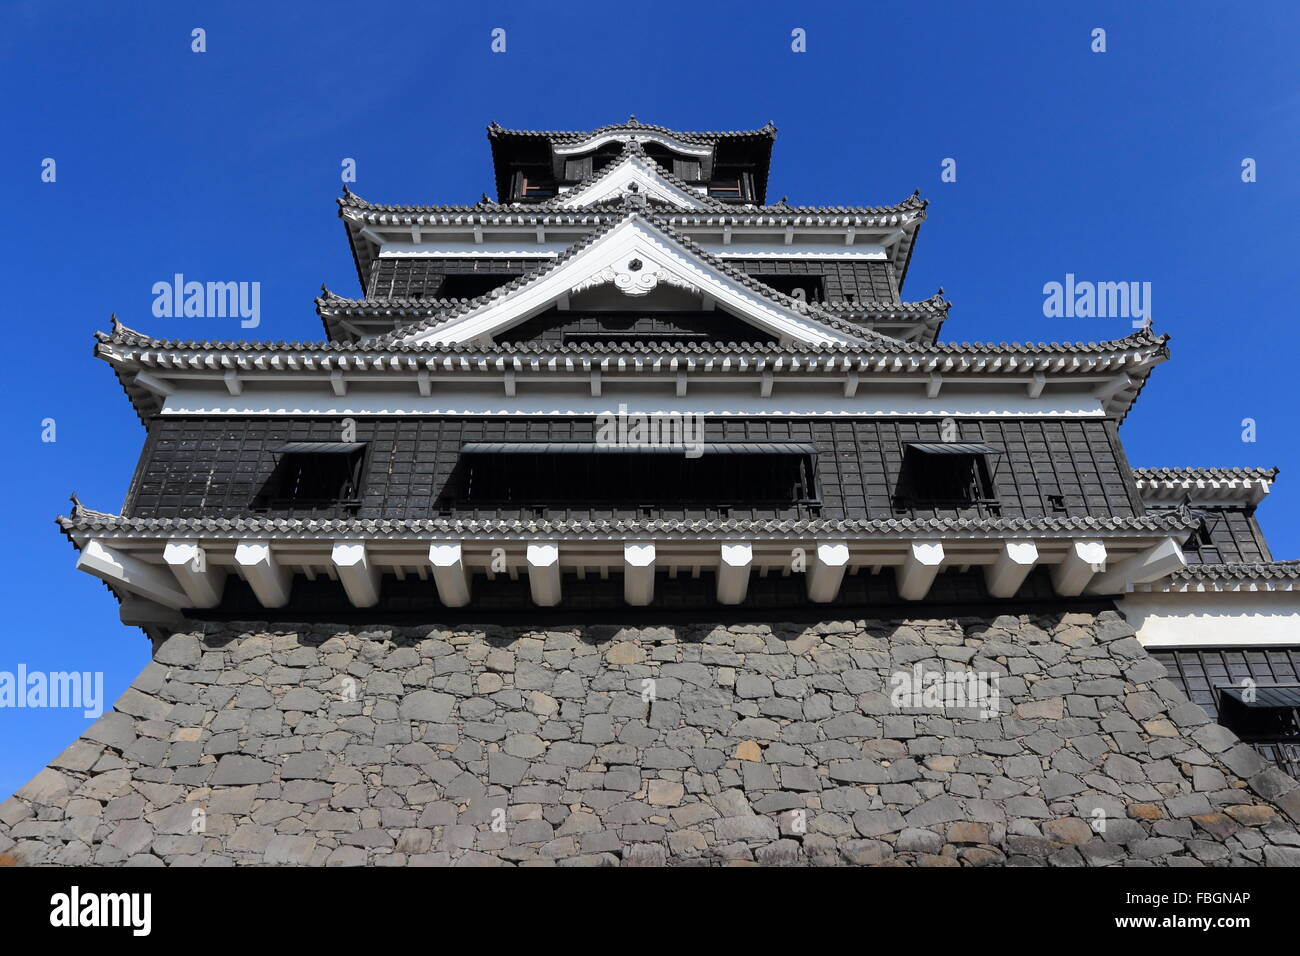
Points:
1252	691
1203	673
315	477
529	476
806	287
472	286
534	182
1264	713
217	466
944	477
732	184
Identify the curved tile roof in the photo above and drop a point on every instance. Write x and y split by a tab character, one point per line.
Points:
1145	346
634	149
1205	474
800	307
703	137
485	210
1263	571
86	520
936	305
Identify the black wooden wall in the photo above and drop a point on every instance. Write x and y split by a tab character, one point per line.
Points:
1233	536
1200	671
558	327
842	280
217	466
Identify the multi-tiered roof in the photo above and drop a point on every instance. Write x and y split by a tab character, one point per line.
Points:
637	269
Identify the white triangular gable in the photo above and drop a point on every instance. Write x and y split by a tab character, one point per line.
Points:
632	169
635	257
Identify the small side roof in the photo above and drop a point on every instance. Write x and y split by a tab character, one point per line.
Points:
1241	487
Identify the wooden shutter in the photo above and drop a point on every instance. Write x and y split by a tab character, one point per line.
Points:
576	170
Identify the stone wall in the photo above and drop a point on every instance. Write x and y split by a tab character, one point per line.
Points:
777	744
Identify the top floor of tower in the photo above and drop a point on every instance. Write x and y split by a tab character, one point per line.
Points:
532	166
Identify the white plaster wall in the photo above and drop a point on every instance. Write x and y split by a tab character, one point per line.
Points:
573	397
1248	618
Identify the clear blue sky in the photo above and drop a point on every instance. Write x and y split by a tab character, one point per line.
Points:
224	165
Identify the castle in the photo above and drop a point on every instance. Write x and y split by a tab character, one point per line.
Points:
597	525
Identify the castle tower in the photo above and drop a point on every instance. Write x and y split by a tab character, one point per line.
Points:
633	491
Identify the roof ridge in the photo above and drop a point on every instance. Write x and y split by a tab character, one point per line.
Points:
768	129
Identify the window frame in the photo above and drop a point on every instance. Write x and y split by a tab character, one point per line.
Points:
275	495
980	491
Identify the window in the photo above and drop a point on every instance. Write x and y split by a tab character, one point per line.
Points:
732	184
683	167
1201	537
582	475
405	278
687	170
533	184
1261	712
472	286
1215	678
314	477
604	156
946	476
576	170
809	288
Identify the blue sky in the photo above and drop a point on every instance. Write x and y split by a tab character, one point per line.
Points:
224	165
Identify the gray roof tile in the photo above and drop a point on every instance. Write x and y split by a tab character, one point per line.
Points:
1205	474
85	520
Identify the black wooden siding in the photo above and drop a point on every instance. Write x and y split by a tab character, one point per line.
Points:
413	277
556	326
1200	671
842	280
1234	536
194	467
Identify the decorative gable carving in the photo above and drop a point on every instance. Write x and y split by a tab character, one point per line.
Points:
635	277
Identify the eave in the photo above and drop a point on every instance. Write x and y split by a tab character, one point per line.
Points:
1112	371
675	259
184	562
353	320
372	228
1230	578
1241	487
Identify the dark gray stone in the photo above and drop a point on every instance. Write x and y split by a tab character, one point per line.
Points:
793	755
